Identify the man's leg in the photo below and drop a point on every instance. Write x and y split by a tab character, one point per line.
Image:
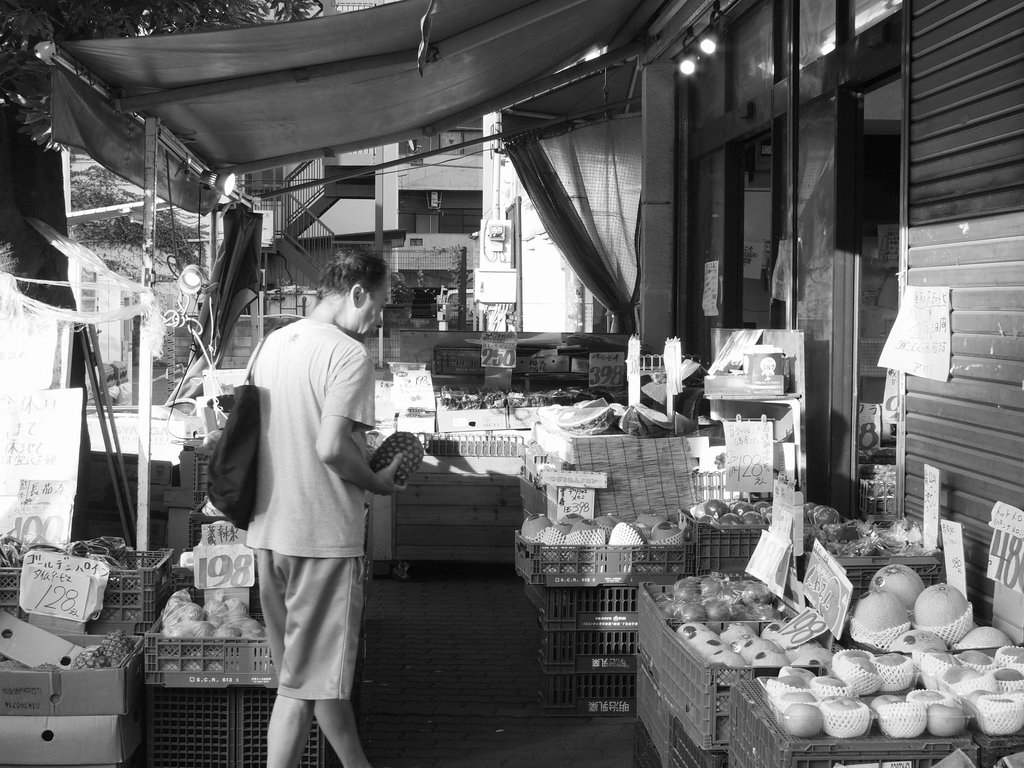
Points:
288	731
338	722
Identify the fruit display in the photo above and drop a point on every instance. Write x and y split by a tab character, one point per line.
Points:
404	443
857	538
221	617
573	530
720	512
938	616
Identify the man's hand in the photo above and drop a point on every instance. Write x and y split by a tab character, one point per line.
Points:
386	478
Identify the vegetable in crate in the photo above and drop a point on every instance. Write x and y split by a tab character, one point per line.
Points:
405	443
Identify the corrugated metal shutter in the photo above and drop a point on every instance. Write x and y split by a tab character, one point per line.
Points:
966	231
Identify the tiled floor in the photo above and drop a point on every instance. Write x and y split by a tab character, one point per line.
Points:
451	679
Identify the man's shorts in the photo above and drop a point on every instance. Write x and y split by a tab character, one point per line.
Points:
312	607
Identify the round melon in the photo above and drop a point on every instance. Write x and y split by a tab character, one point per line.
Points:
901	580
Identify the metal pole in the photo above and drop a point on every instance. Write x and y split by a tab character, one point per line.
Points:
145	415
793	128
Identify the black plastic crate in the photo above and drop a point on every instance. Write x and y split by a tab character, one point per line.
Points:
592	694
589	650
567	566
599	607
860	570
252	708
725	548
645	755
684	752
993	748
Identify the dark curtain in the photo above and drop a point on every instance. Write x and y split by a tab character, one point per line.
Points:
234	284
585	187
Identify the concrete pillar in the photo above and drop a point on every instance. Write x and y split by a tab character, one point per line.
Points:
657	205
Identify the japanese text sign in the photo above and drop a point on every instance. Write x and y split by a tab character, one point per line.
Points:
827	588
63	586
749	455
499	350
919	343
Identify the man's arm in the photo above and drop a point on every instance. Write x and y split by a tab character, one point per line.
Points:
338	450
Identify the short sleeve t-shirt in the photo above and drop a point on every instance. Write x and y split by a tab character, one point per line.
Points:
307	371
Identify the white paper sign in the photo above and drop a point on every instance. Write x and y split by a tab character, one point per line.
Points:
41	512
574	479
769	561
749	455
63	586
1005	517
28	349
412	390
892	405
575	501
953	552
224	565
918	343
932	485
39	435
606	370
710	300
499	350
788	512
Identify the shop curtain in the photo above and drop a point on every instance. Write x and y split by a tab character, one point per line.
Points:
234	285
585	185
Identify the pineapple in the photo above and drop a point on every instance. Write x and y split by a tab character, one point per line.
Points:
117	646
93	657
405	443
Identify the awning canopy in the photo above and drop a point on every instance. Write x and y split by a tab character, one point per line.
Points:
242	99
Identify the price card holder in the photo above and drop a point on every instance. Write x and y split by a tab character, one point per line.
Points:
578	501
827	588
953	552
770	561
805	626
498	350
606	370
62	586
224	566
749	455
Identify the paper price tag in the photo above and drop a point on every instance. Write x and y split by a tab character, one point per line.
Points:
607	369
802	628
827	588
1007	518
575	501
869	426
769	561
788	512
930	532
749	455
892	410
499	350
224	565
41	512
953	552
63	586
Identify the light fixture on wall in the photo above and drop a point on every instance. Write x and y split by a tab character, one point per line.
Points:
688	64
222	182
709	40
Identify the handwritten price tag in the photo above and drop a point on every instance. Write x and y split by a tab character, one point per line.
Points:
1007	518
932	484
953	552
607	369
892	410
41	513
578	501
802	628
749	455
224	565
827	588
499	350
63	586
1006	560
769	561
788	512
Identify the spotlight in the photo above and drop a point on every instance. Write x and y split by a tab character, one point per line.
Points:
191	280
688	65
709	40
223	183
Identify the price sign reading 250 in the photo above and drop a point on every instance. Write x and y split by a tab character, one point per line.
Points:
499	350
224	565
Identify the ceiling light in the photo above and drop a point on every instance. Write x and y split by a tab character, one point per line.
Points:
709	42
222	182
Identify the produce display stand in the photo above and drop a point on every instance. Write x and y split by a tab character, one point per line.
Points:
758	741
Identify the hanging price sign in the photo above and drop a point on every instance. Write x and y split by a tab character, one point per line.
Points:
788	512
802	628
930	517
575	501
41	512
749	455
62	586
827	588
607	369
499	350
769	561
224	565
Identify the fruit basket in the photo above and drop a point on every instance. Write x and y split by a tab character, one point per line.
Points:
207	662
758	740
564	566
696	691
653	711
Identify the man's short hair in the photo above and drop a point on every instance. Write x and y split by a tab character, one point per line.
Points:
350	267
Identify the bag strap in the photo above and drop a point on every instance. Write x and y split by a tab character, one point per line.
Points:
252	360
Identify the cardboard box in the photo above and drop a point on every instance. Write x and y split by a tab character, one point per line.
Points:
579	365
542	363
83	741
523	417
68	692
415	423
471	420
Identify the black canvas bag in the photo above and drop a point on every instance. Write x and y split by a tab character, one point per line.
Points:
231	471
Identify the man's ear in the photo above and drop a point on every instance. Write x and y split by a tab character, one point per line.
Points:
358	294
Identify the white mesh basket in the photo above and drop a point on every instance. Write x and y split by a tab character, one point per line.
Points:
1010	686
826	691
863	681
897	677
961	688
903	719
877	639
846	723
955	630
999	718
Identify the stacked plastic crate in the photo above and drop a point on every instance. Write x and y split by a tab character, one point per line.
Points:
209	699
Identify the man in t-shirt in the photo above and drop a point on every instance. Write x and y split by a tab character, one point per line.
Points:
308	527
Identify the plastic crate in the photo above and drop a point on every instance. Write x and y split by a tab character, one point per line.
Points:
860	570
653	711
207	662
197	728
588	650
135	593
645	754
726	548
697	694
10	589
992	748
685	754
577	566
758	741
607	607
595	694
183	578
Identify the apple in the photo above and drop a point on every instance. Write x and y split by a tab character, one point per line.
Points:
763	612
856	653
823	515
827	681
761	506
803	674
863	663
691	612
809	508
793	681
717	609
739	612
752	518
711	587
727	658
946	720
1011	654
769	658
885	698
956	675
664	530
975	657
929	697
803	720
